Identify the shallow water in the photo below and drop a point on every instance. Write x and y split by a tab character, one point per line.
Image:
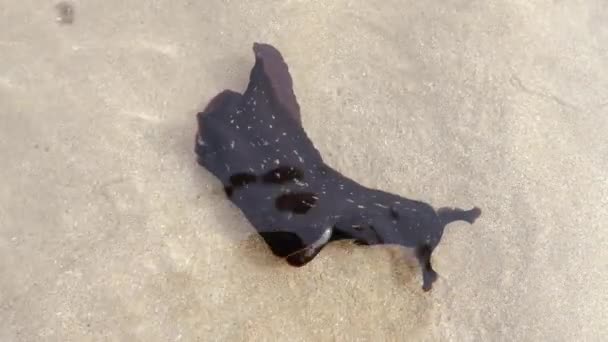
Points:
109	230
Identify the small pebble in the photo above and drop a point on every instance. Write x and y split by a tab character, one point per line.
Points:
65	12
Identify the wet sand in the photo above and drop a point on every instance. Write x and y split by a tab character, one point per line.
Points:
109	230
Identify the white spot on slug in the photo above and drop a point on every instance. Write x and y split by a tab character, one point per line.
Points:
200	141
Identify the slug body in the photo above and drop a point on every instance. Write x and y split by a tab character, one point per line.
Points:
255	144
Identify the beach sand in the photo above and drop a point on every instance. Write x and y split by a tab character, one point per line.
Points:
110	231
